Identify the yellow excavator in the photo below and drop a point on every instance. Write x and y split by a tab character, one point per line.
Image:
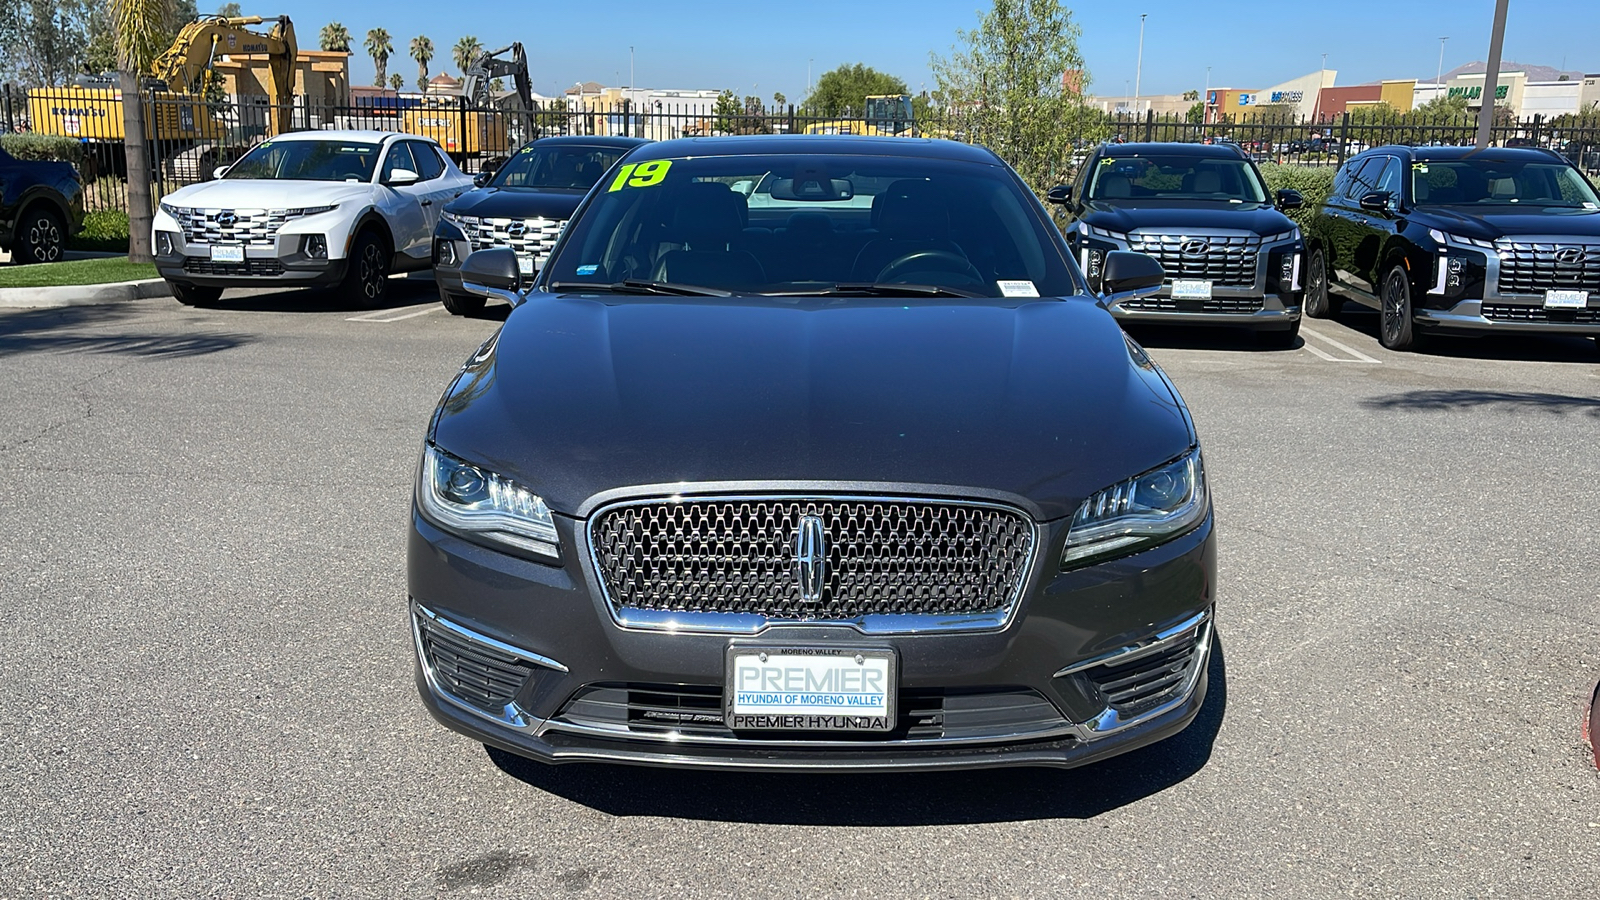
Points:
884	115
179	79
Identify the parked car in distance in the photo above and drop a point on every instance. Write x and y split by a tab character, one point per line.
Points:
811	452
1453	239
523	205
330	209
41	206
1203	211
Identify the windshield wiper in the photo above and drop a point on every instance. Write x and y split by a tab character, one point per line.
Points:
884	289
640	286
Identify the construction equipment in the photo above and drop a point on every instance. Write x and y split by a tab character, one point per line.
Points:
462	125
489	66
884	115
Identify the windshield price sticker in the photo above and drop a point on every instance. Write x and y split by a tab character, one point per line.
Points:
1017	289
641	175
810	690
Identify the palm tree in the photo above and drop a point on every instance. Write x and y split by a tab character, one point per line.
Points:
466	50
397	81
141	34
779	98
335	37
422	52
379	47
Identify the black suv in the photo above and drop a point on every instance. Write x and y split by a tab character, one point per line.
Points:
1232	256
1457	239
523	205
41	205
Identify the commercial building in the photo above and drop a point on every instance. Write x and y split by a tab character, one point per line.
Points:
1296	98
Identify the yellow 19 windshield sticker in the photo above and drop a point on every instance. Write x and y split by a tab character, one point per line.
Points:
641	175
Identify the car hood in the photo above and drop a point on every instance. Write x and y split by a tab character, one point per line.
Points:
1486	225
1259	219
263	193
1039	403
517	203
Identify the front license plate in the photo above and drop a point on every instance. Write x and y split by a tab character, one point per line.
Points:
229	253
525	265
1196	289
1566	299
809	689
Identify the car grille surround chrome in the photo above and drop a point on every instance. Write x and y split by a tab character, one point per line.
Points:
1227	260
249	227
1535	266
734	563
532	237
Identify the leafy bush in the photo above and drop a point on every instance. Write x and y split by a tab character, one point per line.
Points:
42	147
1314	183
105	230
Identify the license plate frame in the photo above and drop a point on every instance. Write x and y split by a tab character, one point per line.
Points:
227	253
1191	289
1554	299
744	711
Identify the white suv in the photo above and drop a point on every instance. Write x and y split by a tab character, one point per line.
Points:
314	208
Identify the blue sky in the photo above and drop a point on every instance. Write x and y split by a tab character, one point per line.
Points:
762	47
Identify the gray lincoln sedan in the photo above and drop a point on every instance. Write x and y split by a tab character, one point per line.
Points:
812	453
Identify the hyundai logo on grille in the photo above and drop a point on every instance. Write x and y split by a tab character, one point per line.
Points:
1570	256
811	557
1195	247
227	219
517	229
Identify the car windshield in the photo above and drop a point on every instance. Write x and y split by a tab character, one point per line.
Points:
557	166
308	161
794	224
1457	182
1175	177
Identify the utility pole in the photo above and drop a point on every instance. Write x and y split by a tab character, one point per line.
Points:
1205	100
1491	78
1139	67
631	83
1438	78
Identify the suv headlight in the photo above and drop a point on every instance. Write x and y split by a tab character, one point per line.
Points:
1459	241
1139	513
471	499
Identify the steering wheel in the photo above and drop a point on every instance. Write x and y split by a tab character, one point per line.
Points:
933	261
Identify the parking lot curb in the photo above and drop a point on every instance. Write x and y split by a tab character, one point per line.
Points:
82	294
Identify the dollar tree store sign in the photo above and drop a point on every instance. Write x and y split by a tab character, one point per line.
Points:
1475	92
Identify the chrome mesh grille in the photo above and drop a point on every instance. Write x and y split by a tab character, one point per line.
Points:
526	237
1532	268
882	556
250	227
1227	260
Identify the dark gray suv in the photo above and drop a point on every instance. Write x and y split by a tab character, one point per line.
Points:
812	452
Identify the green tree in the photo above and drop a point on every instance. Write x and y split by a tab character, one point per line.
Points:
779	99
142	27
1196	114
422	52
465	51
1191	95
728	112
334	36
230	10
397	81
379	46
42	41
1006	85
844	90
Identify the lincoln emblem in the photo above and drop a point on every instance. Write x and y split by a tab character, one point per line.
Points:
810	557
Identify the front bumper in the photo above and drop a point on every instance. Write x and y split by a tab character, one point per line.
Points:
1269	302
1524	317
263	266
571	662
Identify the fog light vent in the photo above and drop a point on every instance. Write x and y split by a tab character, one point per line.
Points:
316	246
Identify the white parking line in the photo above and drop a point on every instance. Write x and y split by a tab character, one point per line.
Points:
374	317
1312	347
1359	356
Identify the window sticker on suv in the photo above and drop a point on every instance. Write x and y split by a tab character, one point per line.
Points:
641	175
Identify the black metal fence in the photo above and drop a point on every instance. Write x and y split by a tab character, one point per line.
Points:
191	136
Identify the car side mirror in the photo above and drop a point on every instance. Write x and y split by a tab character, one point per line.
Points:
1128	275
494	274
1060	195
401	178
1290	199
1377	201
481	179
220	171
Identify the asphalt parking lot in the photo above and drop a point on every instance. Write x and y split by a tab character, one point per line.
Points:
206	683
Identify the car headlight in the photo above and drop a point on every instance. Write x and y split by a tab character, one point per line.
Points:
312	210
453	218
1139	513
170	210
471	499
1459	241
1291	235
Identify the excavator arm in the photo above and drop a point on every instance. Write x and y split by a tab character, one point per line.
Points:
489	66
187	64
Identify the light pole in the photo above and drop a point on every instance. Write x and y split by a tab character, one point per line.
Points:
1491	76
1138	69
1205	100
1438	78
631	84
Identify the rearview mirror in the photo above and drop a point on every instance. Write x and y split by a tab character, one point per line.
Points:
1289	199
1377	201
1129	275
402	177
1060	194
494	274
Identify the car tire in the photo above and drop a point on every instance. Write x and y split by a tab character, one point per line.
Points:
1280	338
1320	302
366	275
1397	330
461	304
41	236
194	294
